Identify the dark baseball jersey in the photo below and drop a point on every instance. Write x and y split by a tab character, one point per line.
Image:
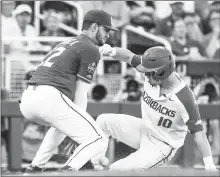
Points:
74	59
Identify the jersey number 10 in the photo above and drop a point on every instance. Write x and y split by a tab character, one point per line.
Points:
164	122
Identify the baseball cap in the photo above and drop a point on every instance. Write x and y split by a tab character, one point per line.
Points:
100	17
22	8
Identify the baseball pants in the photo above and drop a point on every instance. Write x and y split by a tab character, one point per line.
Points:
48	106
130	130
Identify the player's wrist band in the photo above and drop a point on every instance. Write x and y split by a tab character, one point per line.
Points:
135	61
208	161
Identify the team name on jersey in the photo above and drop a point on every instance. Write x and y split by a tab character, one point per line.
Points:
70	42
157	107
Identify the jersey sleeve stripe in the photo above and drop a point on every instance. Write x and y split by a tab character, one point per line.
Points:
84	79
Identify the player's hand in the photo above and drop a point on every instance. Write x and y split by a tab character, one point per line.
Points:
107	50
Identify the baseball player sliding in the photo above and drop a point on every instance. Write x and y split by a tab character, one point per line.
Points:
169	110
56	96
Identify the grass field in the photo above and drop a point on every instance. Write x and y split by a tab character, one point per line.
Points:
160	171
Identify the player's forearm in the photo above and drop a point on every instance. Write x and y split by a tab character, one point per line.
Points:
203	144
205	149
120	54
124	55
81	101
81	91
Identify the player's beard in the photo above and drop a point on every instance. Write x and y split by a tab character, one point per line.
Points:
99	38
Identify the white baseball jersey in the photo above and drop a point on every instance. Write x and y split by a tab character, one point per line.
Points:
169	117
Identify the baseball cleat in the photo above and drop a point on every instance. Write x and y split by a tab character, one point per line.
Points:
33	169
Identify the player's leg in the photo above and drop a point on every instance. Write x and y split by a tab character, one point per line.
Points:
124	128
30	108
47	148
82	128
79	126
152	153
51	106
51	141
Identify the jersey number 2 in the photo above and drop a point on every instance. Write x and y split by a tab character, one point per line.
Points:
164	122
49	60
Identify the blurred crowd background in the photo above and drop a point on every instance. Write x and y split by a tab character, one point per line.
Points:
191	29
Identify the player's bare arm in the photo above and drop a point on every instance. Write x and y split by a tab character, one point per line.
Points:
121	54
195	126
81	94
124	55
205	149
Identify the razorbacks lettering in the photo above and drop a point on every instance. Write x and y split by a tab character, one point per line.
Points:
157	107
